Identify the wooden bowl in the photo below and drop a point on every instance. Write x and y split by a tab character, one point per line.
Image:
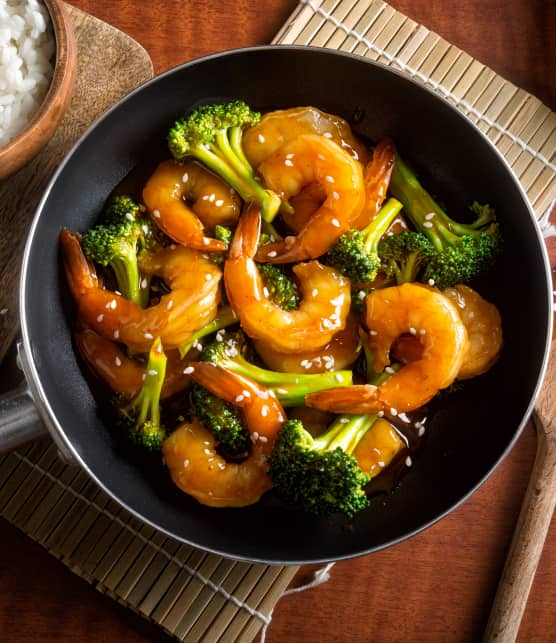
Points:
28	143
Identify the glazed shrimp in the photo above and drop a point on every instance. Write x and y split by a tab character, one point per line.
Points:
314	159
376	179
122	373
324	308
280	126
484	327
340	352
390	312
190	452
184	198
192	303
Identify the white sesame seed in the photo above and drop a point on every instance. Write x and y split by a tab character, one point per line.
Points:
185	177
205	197
208	277
246	393
129	216
148	336
373	332
145	229
338	377
427	224
144	377
335	223
335	195
255	435
380	463
3	311
152	372
361	294
314	292
116	334
219	203
344	420
304	363
288	163
117	361
380	414
100	317
389	370
408	461
239	398
264	410
431	282
188	370
170	304
197	344
221	465
329	179
337	301
327	135
422	331
393	411
421	431
207	451
430	216
212	197
272	254
260	138
206	242
281	391
156	214
180	418
263	438
220	335
412	330
144	283
321	157
185	463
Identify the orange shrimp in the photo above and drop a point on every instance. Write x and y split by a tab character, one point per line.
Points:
192	303
340	352
170	188
280	126
122	373
314	159
326	296
390	312
190	452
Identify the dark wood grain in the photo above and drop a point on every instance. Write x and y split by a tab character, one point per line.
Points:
435	587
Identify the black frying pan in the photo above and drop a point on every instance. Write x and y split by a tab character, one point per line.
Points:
470	433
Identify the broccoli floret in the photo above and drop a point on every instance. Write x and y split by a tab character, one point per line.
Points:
117	242
223	420
283	291
121	207
355	254
403	255
320	474
140	418
226	317
462	251
213	134
289	388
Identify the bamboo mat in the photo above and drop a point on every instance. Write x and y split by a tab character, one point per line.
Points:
196	596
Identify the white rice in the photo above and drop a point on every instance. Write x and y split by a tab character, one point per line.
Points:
27	48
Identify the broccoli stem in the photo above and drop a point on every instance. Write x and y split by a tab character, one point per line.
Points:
128	278
426	215
345	432
377	228
148	398
226	317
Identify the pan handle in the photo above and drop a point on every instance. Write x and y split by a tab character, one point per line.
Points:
19	419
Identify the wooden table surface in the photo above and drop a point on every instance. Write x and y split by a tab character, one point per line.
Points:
439	585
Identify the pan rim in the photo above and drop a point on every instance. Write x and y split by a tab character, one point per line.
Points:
49	416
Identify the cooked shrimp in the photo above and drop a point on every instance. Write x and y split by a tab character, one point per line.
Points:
340	352
122	373
376	179
280	126
304	160
183	198
190	452
303	206
390	312
192	303
324	307
484	328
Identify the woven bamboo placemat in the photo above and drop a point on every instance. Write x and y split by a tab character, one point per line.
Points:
196	596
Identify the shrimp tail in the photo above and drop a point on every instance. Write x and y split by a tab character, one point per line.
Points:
362	398
246	236
80	274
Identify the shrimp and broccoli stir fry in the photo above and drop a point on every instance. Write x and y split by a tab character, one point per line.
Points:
279	307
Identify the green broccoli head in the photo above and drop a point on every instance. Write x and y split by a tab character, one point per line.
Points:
318	474
403	255
223	420
282	289
121	207
355	254
140	417
213	134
